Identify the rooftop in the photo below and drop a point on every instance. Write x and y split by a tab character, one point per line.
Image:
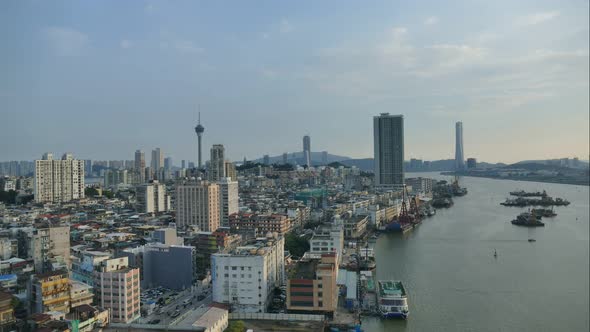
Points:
391	288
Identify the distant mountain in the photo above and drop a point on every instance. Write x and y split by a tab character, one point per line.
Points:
299	159
366	164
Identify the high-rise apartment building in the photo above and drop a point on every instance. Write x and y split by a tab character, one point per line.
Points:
230	170
471	163
217	163
307	150
117	288
228	200
58	180
50	248
246	277
388	134
459	157
197	204
152	197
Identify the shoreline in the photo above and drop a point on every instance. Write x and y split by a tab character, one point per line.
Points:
571	183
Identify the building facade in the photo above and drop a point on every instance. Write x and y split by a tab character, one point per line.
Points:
388	135
245	278
58	181
50	292
152	198
117	287
228	199
197	204
217	163
50	248
160	259
313	286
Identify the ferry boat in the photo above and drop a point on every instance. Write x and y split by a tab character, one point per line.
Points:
392	299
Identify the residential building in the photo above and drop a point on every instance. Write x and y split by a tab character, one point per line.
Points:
50	248
327	239
355	226
58	181
159	260
80	294
197	204
84	265
113	178
420	184
246	278
228	199
166	236
117	288
152	197
50	292
261	224
388	135
230	170
217	163
6	309
312	286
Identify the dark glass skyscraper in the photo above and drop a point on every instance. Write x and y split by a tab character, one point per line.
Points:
307	150
388	133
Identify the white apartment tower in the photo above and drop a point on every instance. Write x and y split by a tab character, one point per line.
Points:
197	204
58	181
246	277
152	198
217	163
117	288
228	199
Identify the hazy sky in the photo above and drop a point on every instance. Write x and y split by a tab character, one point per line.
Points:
103	78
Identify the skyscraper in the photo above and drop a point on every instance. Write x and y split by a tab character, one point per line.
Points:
168	163
285	157
58	180
388	133
216	165
325	157
199	129
307	150
157	160
140	164
266	159
459	158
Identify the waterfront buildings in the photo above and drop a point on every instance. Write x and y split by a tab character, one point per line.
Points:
307	150
117	288
245	278
259	224
471	163
228	199
58	181
327	239
217	163
420	184
459	157
152	198
197	204
312	286
388	135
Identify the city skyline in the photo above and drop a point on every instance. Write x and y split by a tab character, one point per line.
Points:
520	67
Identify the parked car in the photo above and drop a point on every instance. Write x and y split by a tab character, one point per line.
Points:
175	314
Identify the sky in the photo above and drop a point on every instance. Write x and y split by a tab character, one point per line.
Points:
101	79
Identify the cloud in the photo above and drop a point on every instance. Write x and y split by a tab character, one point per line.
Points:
125	44
432	20
536	18
285	26
66	41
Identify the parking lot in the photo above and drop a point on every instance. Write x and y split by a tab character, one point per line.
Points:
171	306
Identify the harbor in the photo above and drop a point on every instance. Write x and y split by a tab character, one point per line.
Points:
453	282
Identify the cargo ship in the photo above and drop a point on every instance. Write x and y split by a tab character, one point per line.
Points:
392	300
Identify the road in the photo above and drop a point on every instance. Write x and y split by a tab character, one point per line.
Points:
188	294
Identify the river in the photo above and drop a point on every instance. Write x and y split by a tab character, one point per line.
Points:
455	284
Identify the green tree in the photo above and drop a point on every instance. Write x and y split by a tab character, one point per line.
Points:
236	326
296	245
91	192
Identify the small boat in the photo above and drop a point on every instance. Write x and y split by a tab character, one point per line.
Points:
532	240
495	253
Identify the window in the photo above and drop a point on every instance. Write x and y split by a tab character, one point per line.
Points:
320	304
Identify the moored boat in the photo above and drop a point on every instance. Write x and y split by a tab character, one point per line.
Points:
392	299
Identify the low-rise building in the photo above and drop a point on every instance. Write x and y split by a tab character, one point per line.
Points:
80	294
327	239
213	320
6	310
355	226
50	292
261	223
312	285
245	278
